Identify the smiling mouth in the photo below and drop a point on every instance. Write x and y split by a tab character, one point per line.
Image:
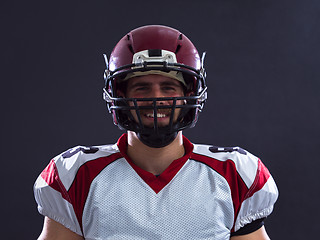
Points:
159	115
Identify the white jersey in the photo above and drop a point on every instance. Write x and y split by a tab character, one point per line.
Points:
99	193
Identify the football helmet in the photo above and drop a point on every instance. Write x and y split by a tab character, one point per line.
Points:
155	49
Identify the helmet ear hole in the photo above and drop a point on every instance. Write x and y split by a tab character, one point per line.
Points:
130	48
177	49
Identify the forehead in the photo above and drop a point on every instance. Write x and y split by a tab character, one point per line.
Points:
152	79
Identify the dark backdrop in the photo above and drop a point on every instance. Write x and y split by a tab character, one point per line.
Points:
263	78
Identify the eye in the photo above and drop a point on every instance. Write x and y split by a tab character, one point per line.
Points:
141	88
168	88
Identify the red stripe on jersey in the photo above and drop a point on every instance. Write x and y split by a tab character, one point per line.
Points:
260	180
227	169
79	189
78	192
157	183
51	176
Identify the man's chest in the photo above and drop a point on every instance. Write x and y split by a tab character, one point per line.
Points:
195	204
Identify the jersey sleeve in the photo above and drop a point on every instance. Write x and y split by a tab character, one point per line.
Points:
53	199
261	195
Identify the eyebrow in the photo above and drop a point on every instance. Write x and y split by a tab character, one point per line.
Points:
140	84
172	83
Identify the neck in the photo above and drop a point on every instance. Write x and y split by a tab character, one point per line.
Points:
154	160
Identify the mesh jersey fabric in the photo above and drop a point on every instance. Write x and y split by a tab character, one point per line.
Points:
209	193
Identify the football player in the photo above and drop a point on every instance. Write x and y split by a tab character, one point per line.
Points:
154	183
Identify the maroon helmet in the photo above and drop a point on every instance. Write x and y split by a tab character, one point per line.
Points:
166	51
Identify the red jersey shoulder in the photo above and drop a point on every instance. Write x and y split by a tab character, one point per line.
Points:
245	173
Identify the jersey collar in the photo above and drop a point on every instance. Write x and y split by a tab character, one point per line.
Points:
157	183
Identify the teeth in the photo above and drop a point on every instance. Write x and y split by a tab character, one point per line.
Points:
159	115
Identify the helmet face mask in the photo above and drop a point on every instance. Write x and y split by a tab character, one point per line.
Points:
149	50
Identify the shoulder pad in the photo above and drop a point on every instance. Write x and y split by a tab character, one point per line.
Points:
216	149
73	151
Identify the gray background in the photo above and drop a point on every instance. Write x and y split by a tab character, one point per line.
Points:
263	78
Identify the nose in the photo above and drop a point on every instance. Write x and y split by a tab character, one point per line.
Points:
156	92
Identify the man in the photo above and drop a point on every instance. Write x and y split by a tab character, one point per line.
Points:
154	183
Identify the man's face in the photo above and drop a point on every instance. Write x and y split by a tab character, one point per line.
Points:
154	86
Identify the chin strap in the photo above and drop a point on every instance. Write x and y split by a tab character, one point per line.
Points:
157	140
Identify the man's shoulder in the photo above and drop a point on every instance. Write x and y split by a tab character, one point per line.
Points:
222	153
67	164
79	155
226	159
87	152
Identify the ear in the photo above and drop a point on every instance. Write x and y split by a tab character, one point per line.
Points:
120	93
189	93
